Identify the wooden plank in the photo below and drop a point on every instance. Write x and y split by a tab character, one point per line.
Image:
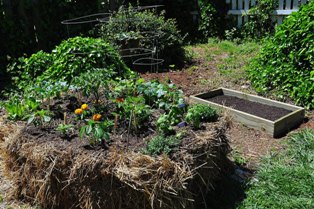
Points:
281	4
238	12
276	12
284	12
249	120
288	4
288	123
274	128
295	4
246	8
260	99
253	3
240	4
280	7
213	93
303	2
279	20
234	4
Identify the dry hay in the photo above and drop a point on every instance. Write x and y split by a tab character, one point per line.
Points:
58	175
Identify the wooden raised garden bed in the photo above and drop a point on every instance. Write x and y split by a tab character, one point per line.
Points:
276	118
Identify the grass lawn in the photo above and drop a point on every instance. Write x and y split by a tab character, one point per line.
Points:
285	180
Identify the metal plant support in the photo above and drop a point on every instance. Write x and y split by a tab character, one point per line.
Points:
138	56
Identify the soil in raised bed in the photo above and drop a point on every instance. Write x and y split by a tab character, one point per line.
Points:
261	110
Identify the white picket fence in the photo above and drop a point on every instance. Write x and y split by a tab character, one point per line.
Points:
240	9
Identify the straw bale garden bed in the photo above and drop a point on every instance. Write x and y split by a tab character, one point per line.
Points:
105	138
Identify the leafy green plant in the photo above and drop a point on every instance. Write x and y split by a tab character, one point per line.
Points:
200	113
95	82
24	70
18	109
161	144
96	131
209	25
65	129
286	61
39	118
164	125
68	60
260	22
129	24
173	117
135	111
160	95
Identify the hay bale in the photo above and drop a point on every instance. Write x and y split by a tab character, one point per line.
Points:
62	174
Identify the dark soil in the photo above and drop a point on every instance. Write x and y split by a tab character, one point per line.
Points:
261	110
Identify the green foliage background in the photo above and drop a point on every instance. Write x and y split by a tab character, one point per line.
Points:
286	61
68	60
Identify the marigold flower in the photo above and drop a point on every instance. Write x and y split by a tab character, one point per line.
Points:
119	100
78	111
84	107
96	117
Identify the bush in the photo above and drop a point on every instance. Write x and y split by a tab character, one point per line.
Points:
71	58
200	113
260	22
145	29
209	20
286	61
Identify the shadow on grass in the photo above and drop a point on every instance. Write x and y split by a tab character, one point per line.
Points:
229	191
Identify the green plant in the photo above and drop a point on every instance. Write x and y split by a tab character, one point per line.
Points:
159	95
260	22
200	113
286	62
24	70
209	25
65	129
94	82
238	157
68	60
129	26
97	131
39	117
173	117
285	179
18	109
164	125
134	111
162	145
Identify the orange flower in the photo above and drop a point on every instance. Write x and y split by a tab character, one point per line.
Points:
119	100
84	107
78	111
96	117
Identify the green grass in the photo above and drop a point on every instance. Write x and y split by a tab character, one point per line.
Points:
285	180
229	58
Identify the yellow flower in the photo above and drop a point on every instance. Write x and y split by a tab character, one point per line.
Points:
78	111
84	107
96	117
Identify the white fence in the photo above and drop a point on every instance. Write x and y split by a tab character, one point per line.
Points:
240	9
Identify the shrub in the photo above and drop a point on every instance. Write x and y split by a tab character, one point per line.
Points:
145	28
286	61
260	22
71	58
209	21
200	113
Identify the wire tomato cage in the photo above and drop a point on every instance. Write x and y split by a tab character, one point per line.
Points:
138	56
